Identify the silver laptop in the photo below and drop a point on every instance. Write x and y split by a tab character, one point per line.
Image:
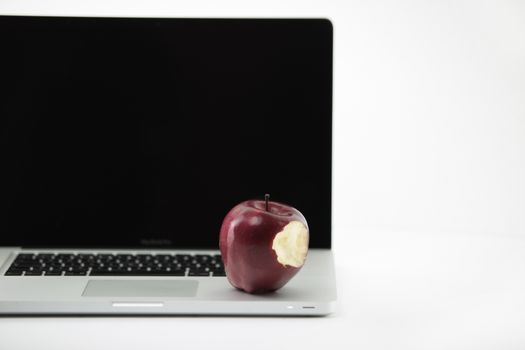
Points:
125	141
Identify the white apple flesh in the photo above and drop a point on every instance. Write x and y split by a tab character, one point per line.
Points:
291	244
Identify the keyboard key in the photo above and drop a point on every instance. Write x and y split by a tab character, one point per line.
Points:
53	273
144	257
183	257
65	256
137	273
105	257
22	265
34	273
219	273
26	256
124	257
203	259
164	257
45	256
14	272
76	273
198	273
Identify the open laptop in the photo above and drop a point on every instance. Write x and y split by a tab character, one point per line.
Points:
125	141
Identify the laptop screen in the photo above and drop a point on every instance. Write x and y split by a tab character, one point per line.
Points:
144	132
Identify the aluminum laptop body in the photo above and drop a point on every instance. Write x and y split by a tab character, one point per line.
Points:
129	139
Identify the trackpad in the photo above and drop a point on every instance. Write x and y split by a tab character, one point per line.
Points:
140	288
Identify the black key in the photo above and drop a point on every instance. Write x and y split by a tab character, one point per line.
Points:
53	273
144	256
57	265
15	268
137	273
124	257
198	273
201	269
164	257
44	260
12	272
65	256
25	256
220	273
22	265
105	257
166	273
203	258
183	257
107	273
76	273
25	261
176	266
75	269
34	273
35	268
45	256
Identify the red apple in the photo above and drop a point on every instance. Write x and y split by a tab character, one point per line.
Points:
263	245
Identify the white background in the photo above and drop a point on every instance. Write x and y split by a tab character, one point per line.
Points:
429	182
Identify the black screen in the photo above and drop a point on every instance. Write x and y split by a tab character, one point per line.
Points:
121	132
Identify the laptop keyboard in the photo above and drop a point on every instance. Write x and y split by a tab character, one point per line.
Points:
116	265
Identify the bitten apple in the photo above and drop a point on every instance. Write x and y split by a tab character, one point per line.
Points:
263	245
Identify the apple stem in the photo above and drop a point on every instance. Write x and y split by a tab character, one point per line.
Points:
266	199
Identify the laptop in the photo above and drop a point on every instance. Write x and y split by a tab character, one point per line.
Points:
126	141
